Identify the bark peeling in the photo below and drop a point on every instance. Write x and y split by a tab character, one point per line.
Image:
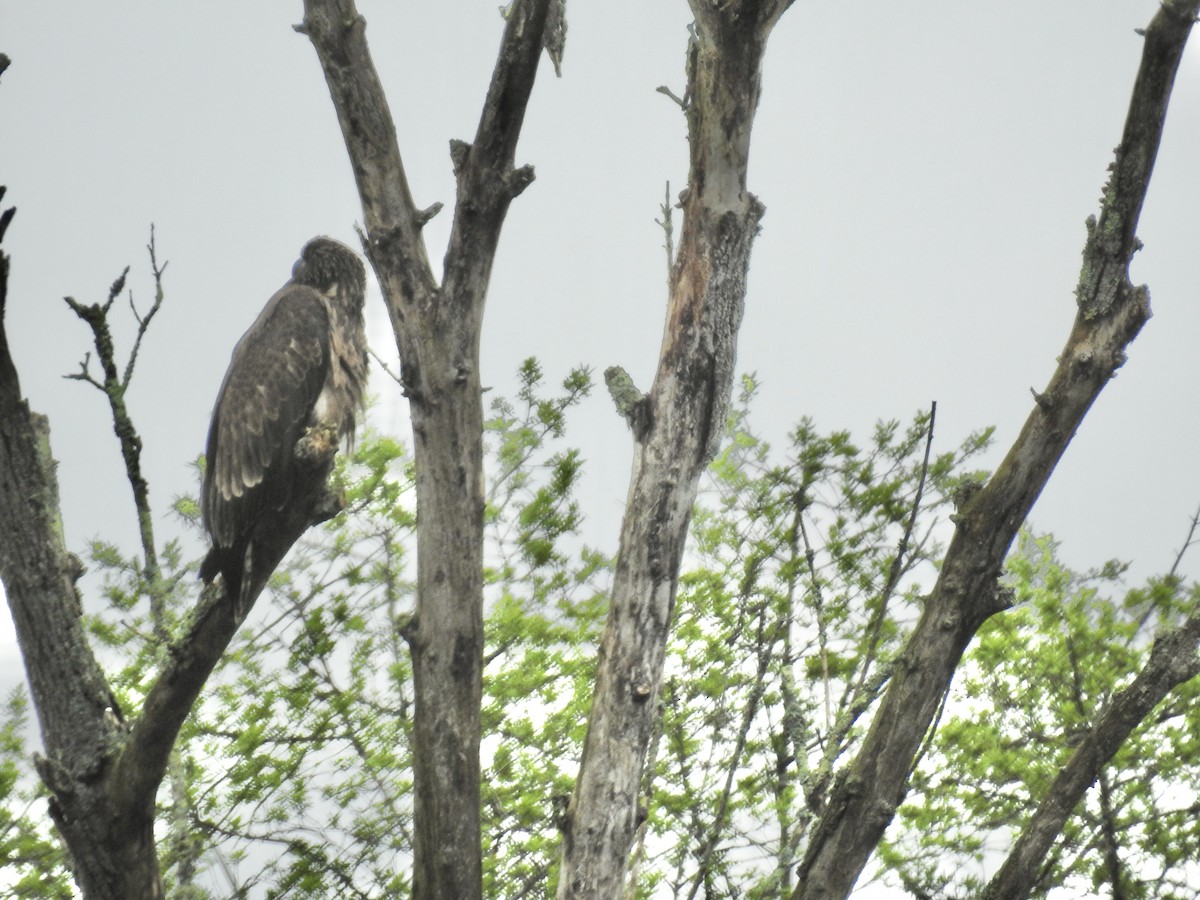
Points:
676	437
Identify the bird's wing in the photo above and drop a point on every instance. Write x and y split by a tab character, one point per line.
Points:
275	376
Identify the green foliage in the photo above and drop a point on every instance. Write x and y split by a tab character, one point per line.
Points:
1032	685
546	606
794	600
305	735
32	862
803	576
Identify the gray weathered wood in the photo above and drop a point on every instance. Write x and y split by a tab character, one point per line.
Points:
437	331
677	428
1111	312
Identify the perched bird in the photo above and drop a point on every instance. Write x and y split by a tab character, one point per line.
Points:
292	392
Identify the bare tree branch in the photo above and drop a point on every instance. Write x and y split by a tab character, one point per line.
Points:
80	723
1111	312
115	386
437	331
875	626
212	624
1173	660
683	423
144	321
1188	542
667	224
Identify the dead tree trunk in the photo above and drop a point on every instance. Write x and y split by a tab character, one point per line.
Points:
438	333
676	427
1111	312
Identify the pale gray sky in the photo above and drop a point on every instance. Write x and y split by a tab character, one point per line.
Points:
926	166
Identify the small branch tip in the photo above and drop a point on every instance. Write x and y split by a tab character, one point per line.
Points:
460	152
517	180
667	92
424	215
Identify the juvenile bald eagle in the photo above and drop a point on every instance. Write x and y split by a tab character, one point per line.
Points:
293	390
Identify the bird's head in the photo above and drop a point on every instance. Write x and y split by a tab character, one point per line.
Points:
330	266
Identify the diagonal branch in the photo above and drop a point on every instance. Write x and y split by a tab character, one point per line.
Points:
1188	543
190	659
1173	660
487	181
874	628
143	322
1111	312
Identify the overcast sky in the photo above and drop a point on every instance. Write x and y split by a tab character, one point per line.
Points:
926	167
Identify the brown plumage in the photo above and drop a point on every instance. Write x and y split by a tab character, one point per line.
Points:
301	365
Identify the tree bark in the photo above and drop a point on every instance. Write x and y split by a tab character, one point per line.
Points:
677	427
1173	660
438	334
102	770
111	844
1111	312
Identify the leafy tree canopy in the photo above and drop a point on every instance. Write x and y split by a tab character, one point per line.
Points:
805	572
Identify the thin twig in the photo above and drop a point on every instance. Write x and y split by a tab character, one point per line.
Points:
144	322
667	224
1188	542
84	374
114	387
386	370
663	89
875	627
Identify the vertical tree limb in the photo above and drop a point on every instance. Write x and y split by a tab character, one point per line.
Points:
1111	312
437	331
684	418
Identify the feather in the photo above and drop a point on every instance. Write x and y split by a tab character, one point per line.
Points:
303	362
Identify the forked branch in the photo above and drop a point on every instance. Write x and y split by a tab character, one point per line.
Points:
437	328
